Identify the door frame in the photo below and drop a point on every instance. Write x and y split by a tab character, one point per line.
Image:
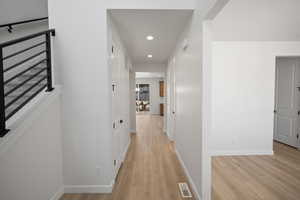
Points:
275	97
116	128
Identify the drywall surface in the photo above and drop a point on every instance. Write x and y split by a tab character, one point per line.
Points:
132	102
188	125
82	54
31	154
155	99
188	75
258	20
144	67
120	64
14	10
243	86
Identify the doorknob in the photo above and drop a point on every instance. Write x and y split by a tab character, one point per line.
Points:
121	121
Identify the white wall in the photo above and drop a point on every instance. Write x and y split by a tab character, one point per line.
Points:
169	88
243	86
191	121
243	72
82	55
144	67
31	153
155	99
187	69
121	78
132	102
14	10
258	20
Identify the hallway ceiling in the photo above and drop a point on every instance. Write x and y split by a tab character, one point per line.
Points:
165	25
149	75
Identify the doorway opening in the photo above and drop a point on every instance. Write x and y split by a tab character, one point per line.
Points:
150	93
142	98
287	102
141	45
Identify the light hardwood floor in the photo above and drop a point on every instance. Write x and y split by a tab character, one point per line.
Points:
151	170
258	177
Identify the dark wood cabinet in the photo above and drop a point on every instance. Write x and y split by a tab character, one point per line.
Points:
161	89
161	109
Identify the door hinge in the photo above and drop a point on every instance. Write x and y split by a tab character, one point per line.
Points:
298	112
114	125
112	49
115	162
113	87
275	111
297	136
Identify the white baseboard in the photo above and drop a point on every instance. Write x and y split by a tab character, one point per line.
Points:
125	152
241	153
97	189
58	194
191	182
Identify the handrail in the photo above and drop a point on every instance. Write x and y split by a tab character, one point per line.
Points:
9	25
21	85
23	50
28	37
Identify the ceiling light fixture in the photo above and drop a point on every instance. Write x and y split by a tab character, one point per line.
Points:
149	56
150	37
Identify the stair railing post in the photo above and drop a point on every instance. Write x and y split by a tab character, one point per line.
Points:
3	129
49	63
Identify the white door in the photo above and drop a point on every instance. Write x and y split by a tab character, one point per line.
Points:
123	103
115	69
172	100
287	108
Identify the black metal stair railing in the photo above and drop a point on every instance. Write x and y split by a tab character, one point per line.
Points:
25	71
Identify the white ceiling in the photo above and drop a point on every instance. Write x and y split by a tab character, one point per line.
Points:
165	25
149	75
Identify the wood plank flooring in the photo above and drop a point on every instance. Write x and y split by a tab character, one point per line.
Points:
151	170
258	177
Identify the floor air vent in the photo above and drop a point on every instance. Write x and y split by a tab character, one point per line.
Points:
185	190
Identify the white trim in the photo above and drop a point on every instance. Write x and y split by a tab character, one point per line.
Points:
126	150
121	159
241	153
206	109
97	189
58	194
169	136
195	191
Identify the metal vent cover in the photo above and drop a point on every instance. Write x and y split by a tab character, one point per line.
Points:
185	190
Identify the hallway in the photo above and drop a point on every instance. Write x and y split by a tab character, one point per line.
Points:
151	169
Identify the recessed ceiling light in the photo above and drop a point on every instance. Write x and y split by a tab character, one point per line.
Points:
150	37
149	56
